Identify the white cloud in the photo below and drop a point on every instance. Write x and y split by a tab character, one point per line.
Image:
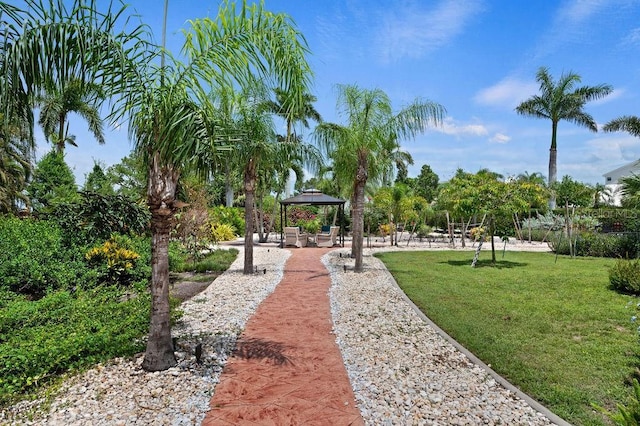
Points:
500	138
413	30
451	127
633	38
509	92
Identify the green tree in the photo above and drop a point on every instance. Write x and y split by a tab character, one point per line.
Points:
483	194
97	181
561	100
15	167
170	127
426	184
74	96
128	177
573	193
53	182
355	147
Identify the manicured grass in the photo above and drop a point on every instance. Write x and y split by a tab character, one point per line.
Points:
554	329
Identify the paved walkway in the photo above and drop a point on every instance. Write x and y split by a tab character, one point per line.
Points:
287	368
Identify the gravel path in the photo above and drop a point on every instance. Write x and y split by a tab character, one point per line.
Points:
401	370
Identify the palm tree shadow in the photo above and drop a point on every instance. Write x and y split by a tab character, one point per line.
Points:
254	348
487	263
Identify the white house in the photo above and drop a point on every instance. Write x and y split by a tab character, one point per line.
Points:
611	178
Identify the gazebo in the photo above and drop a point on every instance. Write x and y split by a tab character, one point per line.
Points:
312	197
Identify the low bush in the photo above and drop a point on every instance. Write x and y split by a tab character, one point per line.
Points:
595	244
63	332
228	215
624	276
33	259
114	259
222	232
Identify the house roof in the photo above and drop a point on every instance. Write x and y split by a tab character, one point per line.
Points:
624	168
313	197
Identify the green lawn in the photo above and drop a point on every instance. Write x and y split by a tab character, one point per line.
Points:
554	329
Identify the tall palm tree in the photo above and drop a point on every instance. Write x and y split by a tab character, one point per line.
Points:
56	105
356	146
561	100
302	114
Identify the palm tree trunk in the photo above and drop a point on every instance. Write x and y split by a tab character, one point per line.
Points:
553	163
161	192
228	189
358	212
249	190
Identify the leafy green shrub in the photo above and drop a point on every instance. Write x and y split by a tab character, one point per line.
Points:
597	244
228	215
624	276
34	260
95	217
63	332
222	232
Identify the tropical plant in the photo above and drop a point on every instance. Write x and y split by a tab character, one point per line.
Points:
66	97
561	100
426	184
172	131
355	147
629	124
15	165
53	182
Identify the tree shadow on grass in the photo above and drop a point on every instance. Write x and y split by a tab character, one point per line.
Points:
487	263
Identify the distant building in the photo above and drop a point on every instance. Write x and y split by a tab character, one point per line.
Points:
612	178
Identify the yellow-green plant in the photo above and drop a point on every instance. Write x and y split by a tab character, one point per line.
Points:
115	256
222	232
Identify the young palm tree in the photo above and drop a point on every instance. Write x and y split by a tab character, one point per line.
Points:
161	104
356	146
171	127
72	96
561	100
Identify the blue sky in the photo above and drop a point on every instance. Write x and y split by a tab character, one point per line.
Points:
478	58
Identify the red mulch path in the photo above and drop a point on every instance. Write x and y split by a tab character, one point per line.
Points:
287	368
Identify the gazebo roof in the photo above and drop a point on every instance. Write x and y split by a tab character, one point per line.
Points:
313	197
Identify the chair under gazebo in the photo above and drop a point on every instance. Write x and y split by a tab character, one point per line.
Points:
312	197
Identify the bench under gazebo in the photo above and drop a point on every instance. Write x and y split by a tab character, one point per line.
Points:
312	197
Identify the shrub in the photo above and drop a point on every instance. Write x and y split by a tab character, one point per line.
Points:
114	259
95	217
222	232
34	260
624	276
228	215
63	332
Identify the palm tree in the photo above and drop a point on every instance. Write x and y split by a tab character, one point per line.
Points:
171	127
72	96
629	123
561	100
161	104
305	112
356	147
15	165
